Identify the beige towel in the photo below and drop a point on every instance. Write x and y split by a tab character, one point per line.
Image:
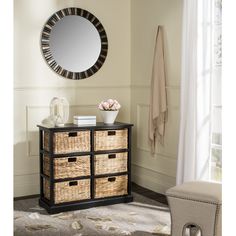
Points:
158	101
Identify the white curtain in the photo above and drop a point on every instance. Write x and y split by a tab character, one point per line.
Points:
196	88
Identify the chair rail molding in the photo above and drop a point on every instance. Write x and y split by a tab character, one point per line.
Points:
25	88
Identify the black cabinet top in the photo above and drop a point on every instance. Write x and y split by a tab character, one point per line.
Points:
99	125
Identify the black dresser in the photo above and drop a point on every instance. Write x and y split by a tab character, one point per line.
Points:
84	166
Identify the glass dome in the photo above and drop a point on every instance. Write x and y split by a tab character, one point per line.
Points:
59	111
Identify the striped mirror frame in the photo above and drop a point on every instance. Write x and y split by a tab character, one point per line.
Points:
45	37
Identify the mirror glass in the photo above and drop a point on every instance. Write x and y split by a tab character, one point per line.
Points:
74	43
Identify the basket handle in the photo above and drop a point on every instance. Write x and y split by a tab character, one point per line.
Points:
72	134
111	132
112	179
72	159
111	156
73	183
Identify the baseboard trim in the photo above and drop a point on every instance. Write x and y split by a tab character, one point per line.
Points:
159	197
26	197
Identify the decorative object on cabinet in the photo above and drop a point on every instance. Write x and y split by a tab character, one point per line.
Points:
109	117
82	167
59	112
84	120
74	43
109	110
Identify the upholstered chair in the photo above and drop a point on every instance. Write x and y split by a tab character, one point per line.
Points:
195	209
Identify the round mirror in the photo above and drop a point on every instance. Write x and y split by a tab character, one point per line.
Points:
74	43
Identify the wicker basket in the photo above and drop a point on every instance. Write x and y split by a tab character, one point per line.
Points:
110	140
67	167
111	186
68	191
67	142
110	163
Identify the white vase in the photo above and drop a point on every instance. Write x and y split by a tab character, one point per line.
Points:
109	116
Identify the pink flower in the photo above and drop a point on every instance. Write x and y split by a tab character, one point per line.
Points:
110	101
109	105
100	106
106	105
116	106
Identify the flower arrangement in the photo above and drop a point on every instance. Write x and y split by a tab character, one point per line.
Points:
109	105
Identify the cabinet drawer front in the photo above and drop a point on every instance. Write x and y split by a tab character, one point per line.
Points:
67	142
68	191
111	186
67	167
110	163
111	139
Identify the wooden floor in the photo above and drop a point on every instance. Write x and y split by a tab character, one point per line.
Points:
149	193
135	188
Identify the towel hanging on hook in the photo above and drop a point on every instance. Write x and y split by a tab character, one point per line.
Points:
158	97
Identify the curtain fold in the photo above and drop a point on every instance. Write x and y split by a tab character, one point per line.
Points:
195	98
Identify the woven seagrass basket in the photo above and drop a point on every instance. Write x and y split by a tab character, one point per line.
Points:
67	142
110	163
111	186
110	140
68	191
67	167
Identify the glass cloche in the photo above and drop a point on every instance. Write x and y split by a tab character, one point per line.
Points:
59	111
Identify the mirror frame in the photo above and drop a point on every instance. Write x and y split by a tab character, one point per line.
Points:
45	47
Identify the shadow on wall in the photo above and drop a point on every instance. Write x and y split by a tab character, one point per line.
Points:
26	169
27	153
19	149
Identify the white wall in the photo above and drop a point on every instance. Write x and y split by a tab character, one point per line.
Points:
35	84
158	172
